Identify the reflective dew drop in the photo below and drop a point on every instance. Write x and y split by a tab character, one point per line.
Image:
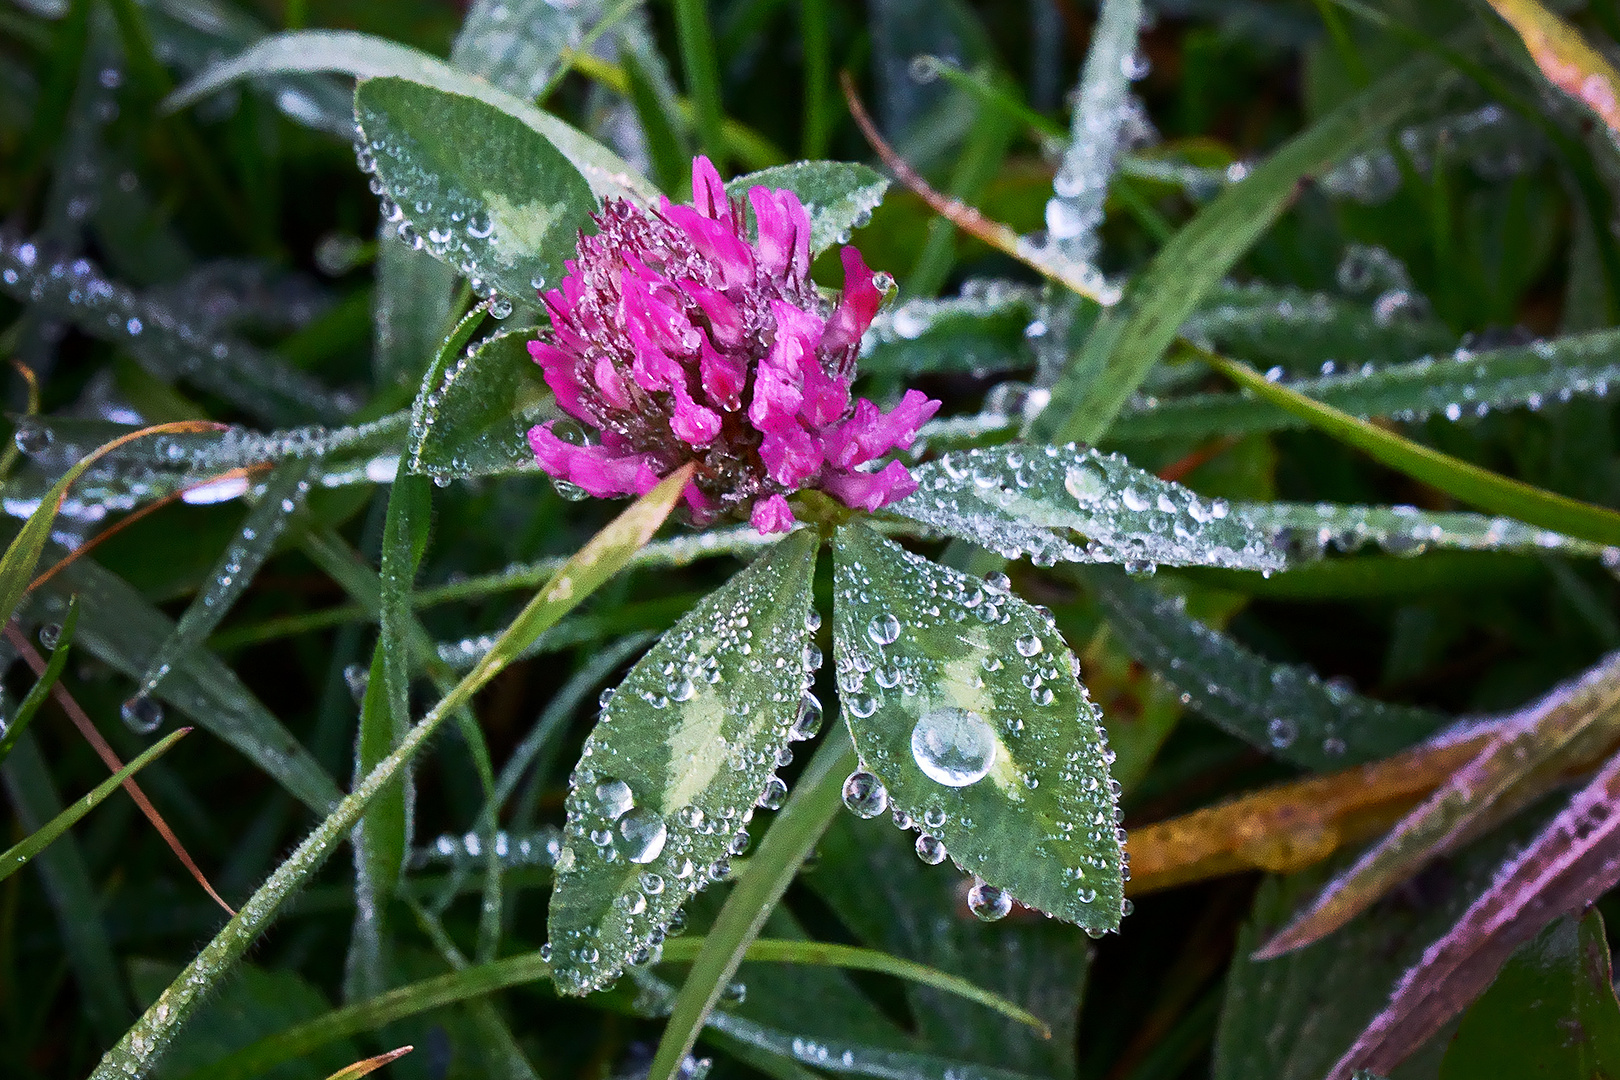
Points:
953	746
930	849
614	798
1281	732
1028	645
865	795
883	629
773	795
643	833
49	635
142	714
989	902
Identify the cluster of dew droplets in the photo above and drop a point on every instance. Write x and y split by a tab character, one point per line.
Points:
470	851
1494	142
745	656
880	666
1031	500
463	231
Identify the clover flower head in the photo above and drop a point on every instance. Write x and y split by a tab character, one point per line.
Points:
677	338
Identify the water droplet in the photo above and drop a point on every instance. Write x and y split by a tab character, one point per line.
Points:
734	994
989	902
883	629
773	795
356	677
808	722
953	746
479	225
1028	645
49	635
142	714
500	307
930	849
1085	482
33	438
865	795
644	833
614	798
1281	732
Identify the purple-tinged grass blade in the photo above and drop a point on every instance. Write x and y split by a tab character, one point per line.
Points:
1519	763
1575	860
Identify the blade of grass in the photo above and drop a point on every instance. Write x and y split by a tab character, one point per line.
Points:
816	798
86	728
1132	336
19	854
72	896
22	556
136	1054
370	1064
1565	58
42	686
1469	483
474	982
702	70
817	38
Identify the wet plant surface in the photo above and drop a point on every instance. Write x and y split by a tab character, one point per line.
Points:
1045	541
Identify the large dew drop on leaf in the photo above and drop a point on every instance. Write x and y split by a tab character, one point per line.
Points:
1073	504
963	702
685	748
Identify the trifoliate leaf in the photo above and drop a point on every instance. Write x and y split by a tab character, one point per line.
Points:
838	195
967	715
685	748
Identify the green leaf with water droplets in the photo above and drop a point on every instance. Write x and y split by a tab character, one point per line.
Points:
1074	504
981	330
964	702
688	743
839	195
476	408
484	191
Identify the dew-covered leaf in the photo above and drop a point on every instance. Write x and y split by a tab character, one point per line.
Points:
838	195
1285	710
967	716
168	343
474	418
1301	330
983	329
1075	504
684	749
482	190
1455	385
1550	1012
519	45
366	57
1309	530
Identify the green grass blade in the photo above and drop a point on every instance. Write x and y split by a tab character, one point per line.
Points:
18	855
22	555
809	810
42	686
137	1053
1133	335
702	75
1469	483
474	982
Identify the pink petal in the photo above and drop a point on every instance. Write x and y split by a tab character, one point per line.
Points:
708	193
611	383
778	396
558	369
703	508
723	377
857	307
791	457
870	433
597	469
784	231
868	491
772	515
798	333
663	324
692	423
652	368
719	243
725	320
